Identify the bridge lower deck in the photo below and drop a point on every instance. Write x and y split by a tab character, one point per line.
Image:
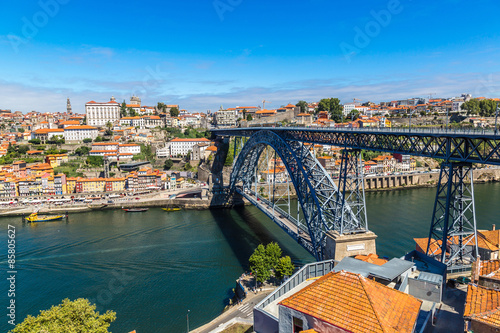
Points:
281	218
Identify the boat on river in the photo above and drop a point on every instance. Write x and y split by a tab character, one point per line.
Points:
34	217
135	210
171	209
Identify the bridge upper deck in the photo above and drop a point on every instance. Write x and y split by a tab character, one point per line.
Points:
458	145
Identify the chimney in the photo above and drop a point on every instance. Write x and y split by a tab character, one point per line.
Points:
478	269
493	227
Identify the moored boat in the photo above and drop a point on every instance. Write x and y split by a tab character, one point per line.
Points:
34	217
135	210
171	209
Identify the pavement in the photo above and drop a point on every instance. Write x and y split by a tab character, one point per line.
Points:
449	315
242	313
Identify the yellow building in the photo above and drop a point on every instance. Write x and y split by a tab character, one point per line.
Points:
93	184
70	185
56	160
115	184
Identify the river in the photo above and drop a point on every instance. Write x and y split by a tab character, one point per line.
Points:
152	267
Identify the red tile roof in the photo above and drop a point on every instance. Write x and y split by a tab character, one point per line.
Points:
483	305
357	304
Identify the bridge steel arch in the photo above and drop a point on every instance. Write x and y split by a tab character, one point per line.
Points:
318	195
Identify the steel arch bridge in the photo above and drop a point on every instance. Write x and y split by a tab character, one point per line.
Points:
453	224
323	206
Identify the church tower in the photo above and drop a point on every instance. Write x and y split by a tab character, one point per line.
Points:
68	107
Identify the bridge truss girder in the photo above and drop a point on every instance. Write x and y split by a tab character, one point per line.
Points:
453	235
317	193
351	183
449	146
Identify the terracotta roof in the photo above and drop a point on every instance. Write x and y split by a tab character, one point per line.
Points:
486	267
105	143
372	258
483	305
435	246
70	122
357	304
79	127
309	331
190	140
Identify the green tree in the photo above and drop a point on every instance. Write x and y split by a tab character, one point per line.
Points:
95	161
168	164
87	140
187	166
83	150
20	130
174	112
161	107
123	109
35	141
259	265
472	106
109	125
249	117
229	159
23	149
98	139
333	106
273	254
284	267
353	115
303	106
78	316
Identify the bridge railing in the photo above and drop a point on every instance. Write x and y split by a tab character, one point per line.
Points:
308	271
405	130
259	202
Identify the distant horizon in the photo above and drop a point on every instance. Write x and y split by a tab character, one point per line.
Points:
255	105
242	52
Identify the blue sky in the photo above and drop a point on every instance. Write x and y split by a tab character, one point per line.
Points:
203	54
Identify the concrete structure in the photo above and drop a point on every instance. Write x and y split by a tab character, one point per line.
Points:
99	114
225	118
339	246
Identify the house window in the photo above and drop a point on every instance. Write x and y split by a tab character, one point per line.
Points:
298	325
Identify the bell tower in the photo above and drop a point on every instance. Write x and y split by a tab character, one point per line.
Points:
68	106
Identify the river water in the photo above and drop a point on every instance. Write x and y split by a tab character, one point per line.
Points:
152	267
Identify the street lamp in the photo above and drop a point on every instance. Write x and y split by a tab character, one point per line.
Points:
409	125
496	117
187	318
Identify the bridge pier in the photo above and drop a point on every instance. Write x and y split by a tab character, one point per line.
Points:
453	235
339	246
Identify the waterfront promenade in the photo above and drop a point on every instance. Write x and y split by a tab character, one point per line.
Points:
153	199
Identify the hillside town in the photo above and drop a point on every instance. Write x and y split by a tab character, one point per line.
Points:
62	153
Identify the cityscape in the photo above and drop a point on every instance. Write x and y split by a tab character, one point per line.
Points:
239	167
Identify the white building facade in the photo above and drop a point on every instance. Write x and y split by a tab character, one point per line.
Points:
183	146
78	133
99	114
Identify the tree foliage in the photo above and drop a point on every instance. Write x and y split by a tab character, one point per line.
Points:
303	106
168	164
35	141
284	267
87	140
95	161
83	150
266	259
78	316
249	117
174	112
333	106
484	107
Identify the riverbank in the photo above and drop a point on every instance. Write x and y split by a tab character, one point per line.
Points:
159	199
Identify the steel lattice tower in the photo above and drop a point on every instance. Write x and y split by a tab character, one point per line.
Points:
453	234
